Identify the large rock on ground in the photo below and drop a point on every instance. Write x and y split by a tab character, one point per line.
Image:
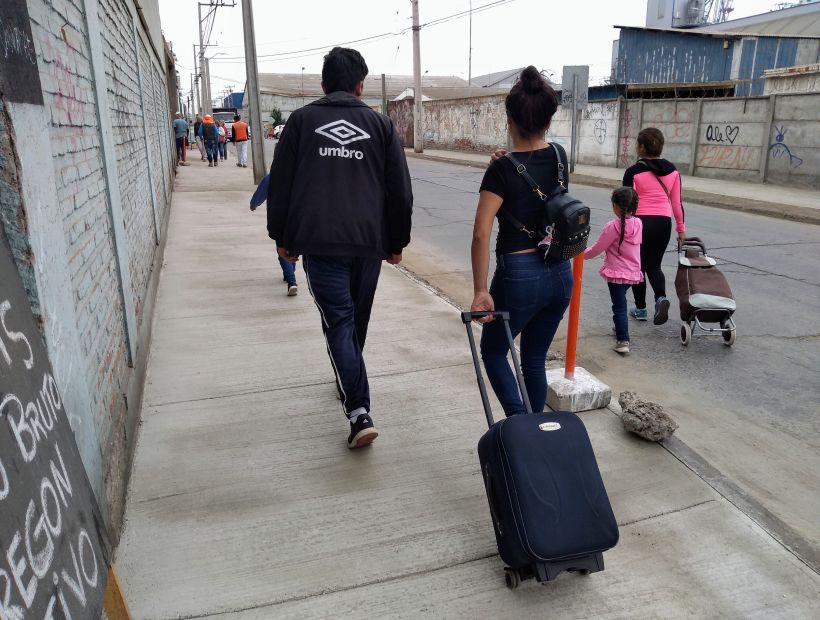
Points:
644	418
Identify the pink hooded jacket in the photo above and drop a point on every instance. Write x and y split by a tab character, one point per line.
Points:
622	267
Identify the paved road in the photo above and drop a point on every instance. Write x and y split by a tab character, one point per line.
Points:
750	411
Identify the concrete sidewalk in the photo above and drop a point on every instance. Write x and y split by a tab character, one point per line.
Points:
801	205
245	502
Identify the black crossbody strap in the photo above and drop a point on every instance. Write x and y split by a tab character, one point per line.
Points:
658	179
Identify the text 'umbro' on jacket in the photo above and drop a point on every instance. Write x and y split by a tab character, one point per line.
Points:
339	183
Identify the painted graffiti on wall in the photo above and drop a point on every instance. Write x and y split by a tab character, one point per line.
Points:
728	156
599	131
604	110
721	134
626	141
781	150
676	125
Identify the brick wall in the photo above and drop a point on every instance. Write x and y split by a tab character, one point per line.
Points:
77	218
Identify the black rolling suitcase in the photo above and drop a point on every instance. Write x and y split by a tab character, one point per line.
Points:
548	504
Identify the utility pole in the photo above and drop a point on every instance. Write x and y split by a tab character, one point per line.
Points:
197	100
209	97
204	99
573	152
418	110
470	52
204	68
252	93
384	95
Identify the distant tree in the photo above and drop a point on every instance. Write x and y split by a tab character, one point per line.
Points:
276	115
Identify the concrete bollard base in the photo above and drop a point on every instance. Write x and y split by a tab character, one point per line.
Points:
583	393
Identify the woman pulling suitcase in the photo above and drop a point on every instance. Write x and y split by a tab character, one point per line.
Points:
549	507
535	291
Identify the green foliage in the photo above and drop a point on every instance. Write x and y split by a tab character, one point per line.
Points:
276	115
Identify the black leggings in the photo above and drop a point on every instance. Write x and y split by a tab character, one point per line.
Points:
657	230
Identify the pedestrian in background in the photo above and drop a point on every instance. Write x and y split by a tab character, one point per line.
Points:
222	142
534	290
200	143
340	195
621	240
180	133
209	133
288	268
657	182
239	136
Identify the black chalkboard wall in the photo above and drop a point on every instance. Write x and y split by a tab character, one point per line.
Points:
19	75
54	549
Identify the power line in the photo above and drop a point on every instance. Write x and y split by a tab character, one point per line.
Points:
294	54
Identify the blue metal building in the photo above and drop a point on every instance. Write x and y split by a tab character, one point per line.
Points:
234	100
655	56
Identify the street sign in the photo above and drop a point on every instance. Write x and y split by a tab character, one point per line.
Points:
575	76
53	542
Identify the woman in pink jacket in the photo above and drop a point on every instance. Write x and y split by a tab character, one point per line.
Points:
621	240
657	182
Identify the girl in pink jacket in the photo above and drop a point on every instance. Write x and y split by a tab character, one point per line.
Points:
621	240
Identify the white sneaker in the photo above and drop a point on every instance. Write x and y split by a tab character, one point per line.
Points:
293	290
622	347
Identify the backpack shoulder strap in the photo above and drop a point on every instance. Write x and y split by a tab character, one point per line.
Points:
522	170
561	158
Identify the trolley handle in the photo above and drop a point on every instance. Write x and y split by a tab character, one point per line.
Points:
691	242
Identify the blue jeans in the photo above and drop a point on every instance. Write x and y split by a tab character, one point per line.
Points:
343	288
288	271
222	149
211	150
536	294
617	293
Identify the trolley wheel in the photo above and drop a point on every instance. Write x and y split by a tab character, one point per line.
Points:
729	337
685	334
511	578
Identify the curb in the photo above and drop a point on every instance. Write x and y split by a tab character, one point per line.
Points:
795	213
788	538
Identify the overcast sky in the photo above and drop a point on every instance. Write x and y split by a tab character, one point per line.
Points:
512	34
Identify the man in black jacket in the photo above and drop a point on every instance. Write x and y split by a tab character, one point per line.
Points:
340	195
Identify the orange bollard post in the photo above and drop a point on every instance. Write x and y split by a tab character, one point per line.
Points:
574	315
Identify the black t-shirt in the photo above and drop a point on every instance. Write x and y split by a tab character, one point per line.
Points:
503	180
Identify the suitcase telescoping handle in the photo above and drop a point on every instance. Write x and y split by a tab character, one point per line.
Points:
467	318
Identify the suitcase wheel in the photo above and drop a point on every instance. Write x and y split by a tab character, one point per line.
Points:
511	578
685	334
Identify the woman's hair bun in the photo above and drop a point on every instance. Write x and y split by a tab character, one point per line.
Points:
531	80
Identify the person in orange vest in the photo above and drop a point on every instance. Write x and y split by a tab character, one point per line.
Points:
239	136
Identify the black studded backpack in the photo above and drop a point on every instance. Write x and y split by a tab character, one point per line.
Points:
564	231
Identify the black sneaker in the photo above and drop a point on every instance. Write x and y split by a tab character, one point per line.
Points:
362	433
661	311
